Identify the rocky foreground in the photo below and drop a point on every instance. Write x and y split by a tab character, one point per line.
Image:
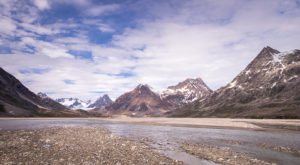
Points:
222	155
75	146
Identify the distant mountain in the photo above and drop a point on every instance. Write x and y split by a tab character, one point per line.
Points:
141	101
186	92
17	100
101	102
269	87
74	103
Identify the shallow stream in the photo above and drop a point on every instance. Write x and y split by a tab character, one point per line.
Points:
167	139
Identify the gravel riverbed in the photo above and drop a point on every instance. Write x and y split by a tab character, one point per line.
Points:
75	146
222	155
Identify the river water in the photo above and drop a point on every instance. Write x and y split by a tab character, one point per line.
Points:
167	139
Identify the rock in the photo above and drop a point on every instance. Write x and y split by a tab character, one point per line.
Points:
133	148
47	140
76	146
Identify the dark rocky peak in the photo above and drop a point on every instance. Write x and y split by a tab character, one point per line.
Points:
143	89
13	92
191	84
269	50
105	97
265	59
42	95
101	102
8	80
266	54
187	91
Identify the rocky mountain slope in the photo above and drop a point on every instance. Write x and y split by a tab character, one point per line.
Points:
269	87
141	101
101	102
17	100
186	92
75	103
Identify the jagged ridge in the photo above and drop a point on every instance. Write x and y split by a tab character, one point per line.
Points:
268	87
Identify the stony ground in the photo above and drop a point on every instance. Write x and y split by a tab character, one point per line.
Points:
221	155
74	146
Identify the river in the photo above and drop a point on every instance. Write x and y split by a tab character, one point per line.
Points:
167	139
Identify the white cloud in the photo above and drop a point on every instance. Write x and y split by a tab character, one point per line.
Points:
216	50
52	50
80	3
41	30
101	26
55	52
105	28
213	40
98	10
7	26
71	40
42	4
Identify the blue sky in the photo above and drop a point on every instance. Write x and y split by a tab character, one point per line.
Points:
87	48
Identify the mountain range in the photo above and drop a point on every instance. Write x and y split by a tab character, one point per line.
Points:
75	103
142	101
269	87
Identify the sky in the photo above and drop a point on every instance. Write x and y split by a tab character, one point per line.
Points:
88	48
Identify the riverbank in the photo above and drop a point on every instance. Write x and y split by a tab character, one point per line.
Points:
75	146
278	125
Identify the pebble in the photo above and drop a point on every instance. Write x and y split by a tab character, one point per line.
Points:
76	146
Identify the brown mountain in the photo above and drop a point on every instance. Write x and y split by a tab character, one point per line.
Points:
141	101
269	87
186	92
17	100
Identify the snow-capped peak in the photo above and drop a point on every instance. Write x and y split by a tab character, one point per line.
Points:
188	90
75	103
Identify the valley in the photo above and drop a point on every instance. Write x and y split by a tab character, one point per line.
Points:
149	82
268	87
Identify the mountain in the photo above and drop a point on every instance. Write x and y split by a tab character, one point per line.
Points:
74	103
17	100
269	87
141	101
101	102
186	92
47	102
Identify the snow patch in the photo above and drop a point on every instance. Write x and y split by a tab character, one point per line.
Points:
74	103
295	76
248	72
274	84
278	57
240	87
233	84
